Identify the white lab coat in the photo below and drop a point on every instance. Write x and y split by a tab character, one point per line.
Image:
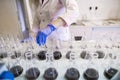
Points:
52	9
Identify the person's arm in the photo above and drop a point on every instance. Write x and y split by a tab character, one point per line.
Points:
67	18
71	12
58	22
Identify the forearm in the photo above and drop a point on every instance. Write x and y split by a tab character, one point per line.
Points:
71	13
58	22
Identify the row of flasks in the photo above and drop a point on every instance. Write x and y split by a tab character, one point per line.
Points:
43	54
71	73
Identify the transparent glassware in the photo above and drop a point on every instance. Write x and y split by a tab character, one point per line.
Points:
73	48
111	57
91	73
84	41
111	68
93	60
117	75
118	60
98	44
9	44
16	68
4	49
72	59
71	55
29	51
49	59
72	72
15	47
9	47
49	54
2	46
28	57
17	41
32	71
50	69
86	57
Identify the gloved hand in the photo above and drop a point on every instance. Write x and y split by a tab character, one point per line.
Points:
6	75
43	34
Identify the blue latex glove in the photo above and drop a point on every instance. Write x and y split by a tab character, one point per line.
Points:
43	34
6	75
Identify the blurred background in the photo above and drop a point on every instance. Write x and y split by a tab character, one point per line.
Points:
16	16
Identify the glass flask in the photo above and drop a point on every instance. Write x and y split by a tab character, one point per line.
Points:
3	53
16	47
111	68
50	71
32	72
5	48
117	75
91	72
16	67
13	65
72	72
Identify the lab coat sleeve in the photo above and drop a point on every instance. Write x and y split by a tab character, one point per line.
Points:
36	22
71	12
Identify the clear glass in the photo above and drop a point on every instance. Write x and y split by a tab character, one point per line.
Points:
73	56
93	60
49	54
29	54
